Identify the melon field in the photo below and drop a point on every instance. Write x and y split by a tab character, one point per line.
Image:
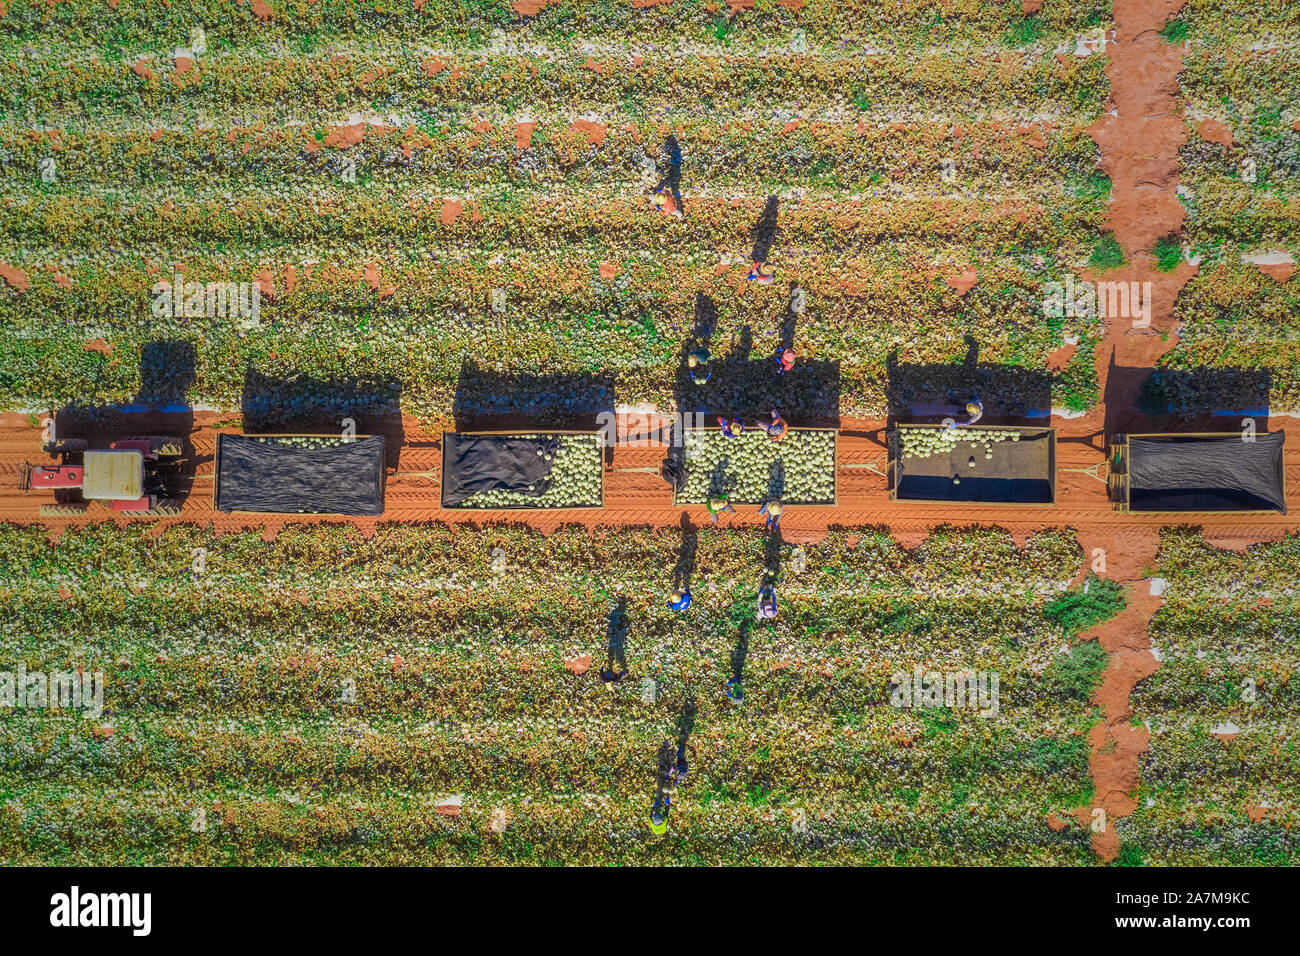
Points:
416	218
312	699
418	193
318	698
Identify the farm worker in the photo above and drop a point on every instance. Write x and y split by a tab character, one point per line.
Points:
776	431
760	273
718	504
975	409
731	428
659	813
784	361
772	508
615	668
698	363
678	773
667	204
735	692
767	603
680	600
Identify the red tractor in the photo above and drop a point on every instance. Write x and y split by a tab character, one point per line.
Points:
131	476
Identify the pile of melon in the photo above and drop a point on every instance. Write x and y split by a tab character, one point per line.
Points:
924	442
751	468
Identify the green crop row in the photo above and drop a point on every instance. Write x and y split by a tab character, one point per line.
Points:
254	712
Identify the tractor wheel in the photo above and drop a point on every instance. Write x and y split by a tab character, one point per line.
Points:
161	446
64	509
166	508
65	445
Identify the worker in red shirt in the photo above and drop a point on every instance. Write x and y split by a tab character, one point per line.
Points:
777	430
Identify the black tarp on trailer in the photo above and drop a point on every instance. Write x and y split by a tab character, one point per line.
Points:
474	463
1206	473
260	476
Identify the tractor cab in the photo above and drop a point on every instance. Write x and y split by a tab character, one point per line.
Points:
129	476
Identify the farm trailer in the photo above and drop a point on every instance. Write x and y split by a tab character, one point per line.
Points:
512	462
1197	472
993	465
299	474
708	451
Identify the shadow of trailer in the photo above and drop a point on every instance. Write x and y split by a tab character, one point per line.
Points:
299	474
972	464
788	475
516	470
1197	472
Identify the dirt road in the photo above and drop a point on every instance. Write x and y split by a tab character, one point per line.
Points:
636	495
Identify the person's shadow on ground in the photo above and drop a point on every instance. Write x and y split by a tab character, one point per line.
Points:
672	179
772	558
685	566
616	632
686	720
765	230
739	653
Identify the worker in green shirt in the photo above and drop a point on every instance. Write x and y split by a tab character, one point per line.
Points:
718	504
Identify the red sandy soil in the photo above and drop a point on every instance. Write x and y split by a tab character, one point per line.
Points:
964	281
1139	149
343	137
14	277
595	131
1139	145
636	495
1061	357
528	8
1279	272
1117	746
1212	131
578	665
